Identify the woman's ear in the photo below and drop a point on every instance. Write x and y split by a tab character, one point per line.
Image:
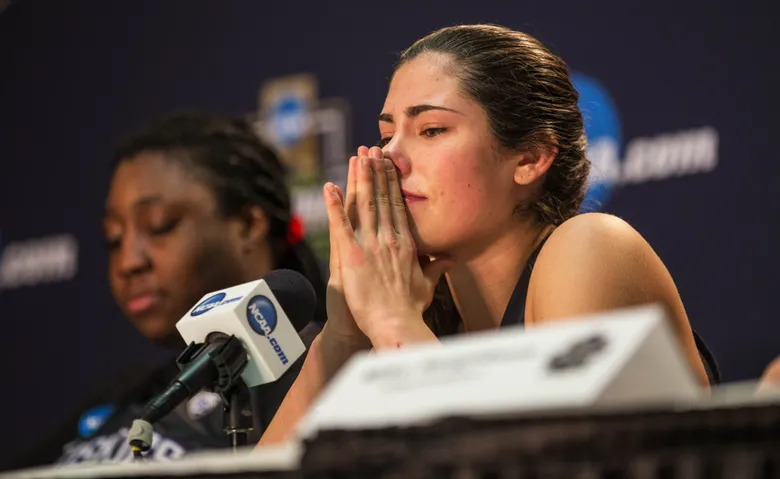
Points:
532	165
254	227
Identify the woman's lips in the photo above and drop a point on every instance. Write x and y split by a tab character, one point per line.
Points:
410	197
142	303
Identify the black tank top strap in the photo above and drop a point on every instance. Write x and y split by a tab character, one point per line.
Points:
515	310
708	359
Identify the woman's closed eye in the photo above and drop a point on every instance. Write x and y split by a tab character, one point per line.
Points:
431	132
163	228
426	133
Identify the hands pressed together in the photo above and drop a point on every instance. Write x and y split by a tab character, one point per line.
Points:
378	287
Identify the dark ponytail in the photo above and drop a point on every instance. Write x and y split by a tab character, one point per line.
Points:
241	170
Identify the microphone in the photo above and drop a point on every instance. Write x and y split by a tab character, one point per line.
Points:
240	337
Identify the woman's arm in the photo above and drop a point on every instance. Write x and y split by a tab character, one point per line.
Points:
596	262
325	357
771	377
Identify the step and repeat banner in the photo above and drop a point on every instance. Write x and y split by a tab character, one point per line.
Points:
678	101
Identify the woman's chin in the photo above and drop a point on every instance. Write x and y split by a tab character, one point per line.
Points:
425	248
158	330
427	244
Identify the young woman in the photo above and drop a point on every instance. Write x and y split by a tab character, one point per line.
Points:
196	204
481	173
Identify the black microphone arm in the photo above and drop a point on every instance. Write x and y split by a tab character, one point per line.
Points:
216	364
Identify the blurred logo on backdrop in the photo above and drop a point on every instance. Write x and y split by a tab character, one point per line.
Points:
92	420
313	136
673	154
36	261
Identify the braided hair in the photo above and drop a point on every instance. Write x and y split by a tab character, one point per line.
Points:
241	170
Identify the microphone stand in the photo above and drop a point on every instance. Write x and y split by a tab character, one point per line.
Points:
237	414
229	359
237	405
217	365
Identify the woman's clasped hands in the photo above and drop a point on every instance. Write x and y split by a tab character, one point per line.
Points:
378	287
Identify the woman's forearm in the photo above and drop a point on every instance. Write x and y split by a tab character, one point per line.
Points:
326	356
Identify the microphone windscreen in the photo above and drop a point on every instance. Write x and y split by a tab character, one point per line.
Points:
295	295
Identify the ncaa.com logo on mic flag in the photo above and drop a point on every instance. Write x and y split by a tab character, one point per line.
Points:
644	159
262	317
212	302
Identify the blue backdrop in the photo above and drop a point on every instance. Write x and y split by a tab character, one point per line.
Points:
680	98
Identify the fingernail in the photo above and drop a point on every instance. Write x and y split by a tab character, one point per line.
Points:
376	152
365	162
389	166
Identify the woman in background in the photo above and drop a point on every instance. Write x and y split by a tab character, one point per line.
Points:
196	204
481	171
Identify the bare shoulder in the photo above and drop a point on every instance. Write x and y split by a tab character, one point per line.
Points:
596	262
594	230
588	240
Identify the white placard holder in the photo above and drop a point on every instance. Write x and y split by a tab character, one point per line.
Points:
626	357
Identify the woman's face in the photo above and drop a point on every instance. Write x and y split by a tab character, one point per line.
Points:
168	244
458	188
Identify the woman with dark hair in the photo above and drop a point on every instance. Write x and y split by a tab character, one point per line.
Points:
203	202
196	203
480	171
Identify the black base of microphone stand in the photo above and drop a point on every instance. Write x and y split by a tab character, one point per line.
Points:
237	415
